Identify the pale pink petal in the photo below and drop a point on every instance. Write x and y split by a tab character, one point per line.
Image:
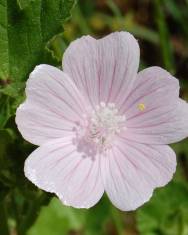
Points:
104	69
164	117
52	106
132	171
59	168
153	87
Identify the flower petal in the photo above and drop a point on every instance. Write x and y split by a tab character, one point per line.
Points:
58	167
52	107
104	69
132	171
155	114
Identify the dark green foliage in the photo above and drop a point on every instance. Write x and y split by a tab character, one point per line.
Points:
36	31
166	213
25	28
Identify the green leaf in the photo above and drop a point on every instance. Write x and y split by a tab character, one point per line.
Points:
166	213
181	147
24	33
13	90
9	101
60	219
63	219
97	217
56	46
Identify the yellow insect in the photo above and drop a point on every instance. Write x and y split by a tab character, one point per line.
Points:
141	107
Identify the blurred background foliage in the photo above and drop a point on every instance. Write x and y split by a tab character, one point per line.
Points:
39	31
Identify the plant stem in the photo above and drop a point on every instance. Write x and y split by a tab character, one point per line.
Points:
114	8
166	46
81	21
3	219
117	220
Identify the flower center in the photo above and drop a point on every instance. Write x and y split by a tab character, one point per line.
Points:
98	130
104	124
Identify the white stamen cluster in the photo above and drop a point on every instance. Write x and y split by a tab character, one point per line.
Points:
105	123
98	130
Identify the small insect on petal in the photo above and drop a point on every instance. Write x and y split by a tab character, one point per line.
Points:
141	107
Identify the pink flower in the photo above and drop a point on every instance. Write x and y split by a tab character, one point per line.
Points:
100	125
